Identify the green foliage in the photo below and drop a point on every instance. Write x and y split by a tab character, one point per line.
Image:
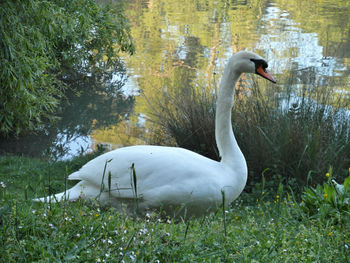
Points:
42	44
330	200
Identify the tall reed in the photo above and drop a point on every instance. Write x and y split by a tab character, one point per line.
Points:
297	131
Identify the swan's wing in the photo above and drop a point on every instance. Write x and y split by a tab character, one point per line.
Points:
150	172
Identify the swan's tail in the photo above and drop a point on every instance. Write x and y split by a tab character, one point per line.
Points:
70	195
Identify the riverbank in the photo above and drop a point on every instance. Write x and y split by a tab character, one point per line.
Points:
271	229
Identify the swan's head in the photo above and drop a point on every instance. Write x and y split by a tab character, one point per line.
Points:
249	62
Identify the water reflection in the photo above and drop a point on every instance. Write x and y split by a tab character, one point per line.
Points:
288	47
97	101
184	45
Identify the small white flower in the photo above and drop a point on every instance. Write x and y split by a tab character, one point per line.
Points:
51	225
3	185
78	235
110	241
346	246
143	231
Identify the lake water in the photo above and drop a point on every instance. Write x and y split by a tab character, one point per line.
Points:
187	43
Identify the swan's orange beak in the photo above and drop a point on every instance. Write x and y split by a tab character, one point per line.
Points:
265	74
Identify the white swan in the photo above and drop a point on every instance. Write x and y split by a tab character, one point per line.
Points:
173	179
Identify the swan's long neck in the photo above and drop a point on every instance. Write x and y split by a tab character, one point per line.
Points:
229	150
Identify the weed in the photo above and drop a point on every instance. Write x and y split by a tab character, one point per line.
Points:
330	200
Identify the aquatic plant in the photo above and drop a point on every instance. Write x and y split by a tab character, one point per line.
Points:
294	132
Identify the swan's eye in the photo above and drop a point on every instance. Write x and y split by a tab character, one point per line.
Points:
260	63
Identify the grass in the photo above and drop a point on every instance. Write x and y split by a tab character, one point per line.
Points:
267	225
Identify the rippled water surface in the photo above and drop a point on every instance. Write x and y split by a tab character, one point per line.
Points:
182	43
